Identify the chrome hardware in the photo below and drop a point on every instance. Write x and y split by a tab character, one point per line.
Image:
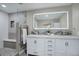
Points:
35	52
49	54
35	41
50	45
49	41
49	50
66	43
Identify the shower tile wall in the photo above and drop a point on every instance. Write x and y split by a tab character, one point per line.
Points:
12	35
16	17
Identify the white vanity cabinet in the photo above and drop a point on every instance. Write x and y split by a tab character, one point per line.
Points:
40	46
60	48
35	46
73	47
31	46
67	47
53	46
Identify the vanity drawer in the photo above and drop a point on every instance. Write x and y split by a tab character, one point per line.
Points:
49	47
50	53
49	43
50	50
50	40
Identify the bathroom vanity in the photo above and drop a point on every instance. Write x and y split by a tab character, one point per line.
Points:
52	45
44	45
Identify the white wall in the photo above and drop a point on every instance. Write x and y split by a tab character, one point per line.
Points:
75	18
54	9
3	27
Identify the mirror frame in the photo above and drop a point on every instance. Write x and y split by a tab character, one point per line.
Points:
51	13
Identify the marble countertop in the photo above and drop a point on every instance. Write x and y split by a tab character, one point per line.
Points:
53	36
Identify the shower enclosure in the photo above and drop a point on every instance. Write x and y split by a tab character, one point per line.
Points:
14	43
17	46
21	33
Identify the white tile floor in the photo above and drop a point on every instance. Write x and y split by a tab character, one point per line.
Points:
7	52
23	54
10	52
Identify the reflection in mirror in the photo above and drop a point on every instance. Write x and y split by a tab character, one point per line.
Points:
53	20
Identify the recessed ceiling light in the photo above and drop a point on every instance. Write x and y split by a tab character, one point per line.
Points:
3	6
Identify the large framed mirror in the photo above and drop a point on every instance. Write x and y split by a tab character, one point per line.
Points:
51	20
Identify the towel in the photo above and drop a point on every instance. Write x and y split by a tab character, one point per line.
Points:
24	35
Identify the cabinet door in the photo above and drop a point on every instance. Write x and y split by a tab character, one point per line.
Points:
40	47
73	47
49	46
60	49
31	46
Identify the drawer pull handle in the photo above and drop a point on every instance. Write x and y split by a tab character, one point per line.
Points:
35	41
66	43
49	54
35	52
49	50
49	41
50	45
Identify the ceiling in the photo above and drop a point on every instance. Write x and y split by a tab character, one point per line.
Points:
13	7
